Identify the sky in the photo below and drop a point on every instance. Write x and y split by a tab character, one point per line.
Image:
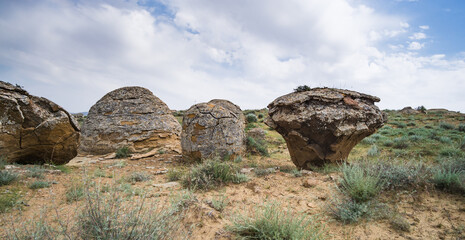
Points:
73	52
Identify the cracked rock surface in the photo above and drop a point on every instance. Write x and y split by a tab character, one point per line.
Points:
132	117
213	128
34	129
324	124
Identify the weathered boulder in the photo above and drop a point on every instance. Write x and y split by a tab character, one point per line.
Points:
323	124
409	110
129	117
34	129
213	128
256	133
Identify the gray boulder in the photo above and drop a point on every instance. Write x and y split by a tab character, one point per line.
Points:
129	117
213	128
323	124
34	129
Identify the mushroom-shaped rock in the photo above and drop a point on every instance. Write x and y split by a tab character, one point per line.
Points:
34	129
129	117
213	128
323	124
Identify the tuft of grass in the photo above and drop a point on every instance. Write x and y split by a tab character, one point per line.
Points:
99	173
401	143
450	178
138	177
9	199
296	173
260	172
400	224
349	211
7	177
272	222
358	184
257	145
63	168
240	178
3	162
38	184
123	152
74	191
461	127
36	172
174	175
251	118
219	202
210	174
451	152
373	151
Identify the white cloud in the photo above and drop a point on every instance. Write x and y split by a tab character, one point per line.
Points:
247	51
415	46
424	27
418	36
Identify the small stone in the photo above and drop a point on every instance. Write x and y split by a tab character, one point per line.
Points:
161	172
246	170
309	183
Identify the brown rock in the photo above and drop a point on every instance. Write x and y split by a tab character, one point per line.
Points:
34	129
213	128
409	110
323	124
309	183
132	117
257	133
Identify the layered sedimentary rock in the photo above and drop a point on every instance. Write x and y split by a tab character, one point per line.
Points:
324	124
213	128
34	129
129	117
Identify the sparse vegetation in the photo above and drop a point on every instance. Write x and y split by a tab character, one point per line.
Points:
302	88
258	146
358	184
9	199
39	184
7	177
272	222
74	191
210	174
123	152
138	177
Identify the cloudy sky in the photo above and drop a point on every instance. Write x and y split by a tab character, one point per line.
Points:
407	52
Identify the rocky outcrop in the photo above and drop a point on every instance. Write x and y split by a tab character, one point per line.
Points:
409	110
34	129
323	124
129	117
213	128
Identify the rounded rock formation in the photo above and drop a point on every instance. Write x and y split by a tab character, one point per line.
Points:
34	129
213	129
129	117
323	124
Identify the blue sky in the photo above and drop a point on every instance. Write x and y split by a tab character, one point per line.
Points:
406	52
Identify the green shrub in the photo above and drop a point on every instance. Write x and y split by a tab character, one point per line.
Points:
39	184
138	177
444	139
399	175
450	176
349	211
36	172
302	88
254	145
399	124
388	143
123	152
446	125
219	202
240	178
263	171
411	124
210	174
74	191
461	127
6	177
368	141
251	118
451	152
358	184
174	175
9	199
401	143
373	151
250	126
272	223
260	116
296	173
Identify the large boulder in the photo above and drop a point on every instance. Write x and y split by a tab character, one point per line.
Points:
323	124
213	129
129	117
34	129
